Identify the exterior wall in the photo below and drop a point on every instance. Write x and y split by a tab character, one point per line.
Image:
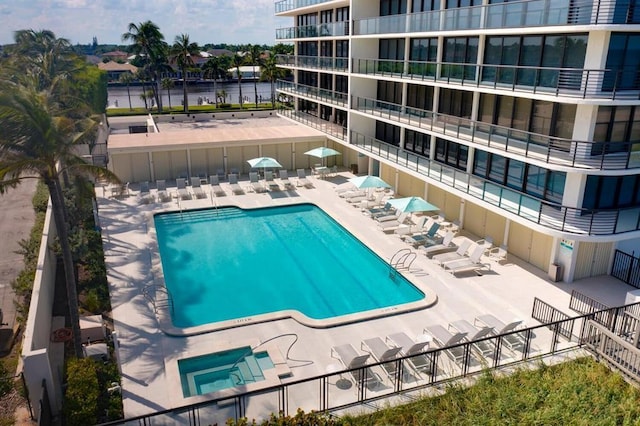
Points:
484	223
593	259
531	246
37	358
132	167
206	161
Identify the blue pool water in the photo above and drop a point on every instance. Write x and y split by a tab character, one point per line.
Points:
222	370
229	263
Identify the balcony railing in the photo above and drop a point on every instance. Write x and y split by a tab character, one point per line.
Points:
531	13
332	129
315	93
334	29
550	215
552	150
315	62
287	5
565	82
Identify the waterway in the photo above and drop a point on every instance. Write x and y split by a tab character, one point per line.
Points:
198	94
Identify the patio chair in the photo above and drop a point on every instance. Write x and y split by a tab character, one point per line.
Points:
431	236
216	189
471	263
358	193
220	174
145	193
196	187
233	182
483	347
356	364
389	217
445	339
446	245
384	354
459	253
393	225
386	210
254	180
497	254
284	179
513	341
302	179
163	195
181	185
419	361
271	183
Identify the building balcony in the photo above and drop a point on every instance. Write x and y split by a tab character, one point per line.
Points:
549	215
521	14
313	93
335	130
547	149
334	29
289	5
328	63
558	82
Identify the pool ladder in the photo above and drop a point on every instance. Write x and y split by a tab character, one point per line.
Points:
402	259
160	299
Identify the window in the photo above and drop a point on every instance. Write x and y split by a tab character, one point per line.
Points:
623	60
452	153
417	142
342	84
326	48
393	50
342	48
455	102
393	7
308	78
342	14
424	5
420	97
326	16
326	81
616	124
423	50
390	91
388	133
460	50
308	48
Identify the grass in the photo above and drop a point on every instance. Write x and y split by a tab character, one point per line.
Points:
581	392
247	106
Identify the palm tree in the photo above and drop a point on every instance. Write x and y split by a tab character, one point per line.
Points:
213	69
222	94
255	60
182	52
38	141
271	73
148	43
167	84
127	78
237	61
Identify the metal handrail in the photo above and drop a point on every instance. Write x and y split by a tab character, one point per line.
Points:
287	5
329	29
578	83
315	62
325	95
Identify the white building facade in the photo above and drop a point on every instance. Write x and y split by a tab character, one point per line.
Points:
519	119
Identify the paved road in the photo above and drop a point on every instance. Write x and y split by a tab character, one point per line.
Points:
16	220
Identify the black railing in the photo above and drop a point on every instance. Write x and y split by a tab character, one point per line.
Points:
626	267
315	93
315	62
333	129
565	82
322	393
584	304
547	314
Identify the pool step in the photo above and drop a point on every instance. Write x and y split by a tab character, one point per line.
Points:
206	215
256	371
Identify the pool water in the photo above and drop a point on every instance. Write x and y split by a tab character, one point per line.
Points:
222	370
229	263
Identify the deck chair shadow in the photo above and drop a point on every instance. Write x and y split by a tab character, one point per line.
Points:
356	365
384	354
486	348
270	181
145	193
513	341
216	189
254	180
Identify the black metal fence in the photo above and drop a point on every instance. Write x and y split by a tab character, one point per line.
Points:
626	267
584	304
547	314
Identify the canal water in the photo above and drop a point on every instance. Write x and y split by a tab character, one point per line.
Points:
198	94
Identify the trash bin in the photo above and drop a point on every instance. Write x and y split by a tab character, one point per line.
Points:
354	169
555	272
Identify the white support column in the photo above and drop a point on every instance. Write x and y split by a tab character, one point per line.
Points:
189	173
505	236
152	172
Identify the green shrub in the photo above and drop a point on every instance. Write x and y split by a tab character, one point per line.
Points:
40	198
300	419
81	398
6	380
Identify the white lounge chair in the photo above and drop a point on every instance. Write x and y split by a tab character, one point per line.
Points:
444	338
471	263
459	253
302	179
219	174
513	341
216	189
254	180
233	182
392	225
181	185
419	361
384	354
388	217
145	193
484	347
356	364
196	187
284	179
271	183
431	236
163	195
497	254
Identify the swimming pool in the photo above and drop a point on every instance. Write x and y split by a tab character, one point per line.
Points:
236	266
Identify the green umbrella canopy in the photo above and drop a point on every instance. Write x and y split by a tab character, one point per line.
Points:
363	182
412	204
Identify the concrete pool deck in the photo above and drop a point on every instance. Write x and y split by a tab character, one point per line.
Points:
148	357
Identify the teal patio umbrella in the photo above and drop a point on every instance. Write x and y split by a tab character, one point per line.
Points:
365	182
322	152
412	204
264	163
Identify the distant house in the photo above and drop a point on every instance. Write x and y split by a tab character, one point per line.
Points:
219	52
115	70
116	56
247	72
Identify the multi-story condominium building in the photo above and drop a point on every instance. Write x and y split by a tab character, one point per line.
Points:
519	119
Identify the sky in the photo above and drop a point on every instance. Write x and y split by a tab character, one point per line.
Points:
205	21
